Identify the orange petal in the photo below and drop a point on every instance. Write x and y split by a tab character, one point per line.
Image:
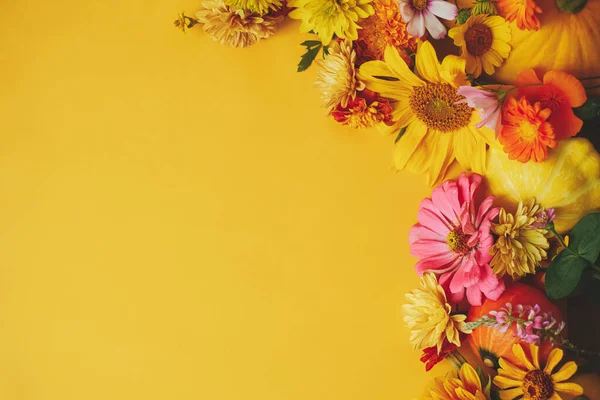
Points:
569	85
527	77
564	122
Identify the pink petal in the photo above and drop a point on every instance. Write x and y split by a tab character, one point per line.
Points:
439	264
442	9
434	26
418	232
445	199
416	24
489	283
474	296
484	207
430	217
406	10
428	248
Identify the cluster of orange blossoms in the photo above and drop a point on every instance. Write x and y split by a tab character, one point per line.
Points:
540	114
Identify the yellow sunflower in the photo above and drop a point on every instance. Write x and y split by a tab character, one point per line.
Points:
438	129
483	41
467	386
531	381
330	17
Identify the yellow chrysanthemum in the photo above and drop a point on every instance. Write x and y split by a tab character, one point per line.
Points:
236	28
257	6
438	129
466	386
384	28
336	76
428	316
529	381
329	17
483	41
520	246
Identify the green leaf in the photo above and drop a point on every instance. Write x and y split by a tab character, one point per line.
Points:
589	110
400	134
564	274
585	237
312	49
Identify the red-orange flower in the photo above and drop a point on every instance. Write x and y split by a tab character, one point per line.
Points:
523	11
559	92
526	134
366	110
431	357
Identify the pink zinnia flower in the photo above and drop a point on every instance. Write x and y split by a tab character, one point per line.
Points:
486	102
453	239
422	14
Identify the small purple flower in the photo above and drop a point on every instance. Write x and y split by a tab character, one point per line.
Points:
423	14
544	219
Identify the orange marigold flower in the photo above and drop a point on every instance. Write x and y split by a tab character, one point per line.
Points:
384	28
364	111
526	134
523	11
559	92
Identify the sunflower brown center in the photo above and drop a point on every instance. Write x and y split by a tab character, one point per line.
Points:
457	241
478	39
537	385
435	105
419	5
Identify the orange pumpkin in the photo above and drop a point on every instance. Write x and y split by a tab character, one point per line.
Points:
490	344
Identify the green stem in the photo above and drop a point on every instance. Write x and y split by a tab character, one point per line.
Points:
560	239
567	345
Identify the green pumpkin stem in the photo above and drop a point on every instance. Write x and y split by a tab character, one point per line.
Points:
571	6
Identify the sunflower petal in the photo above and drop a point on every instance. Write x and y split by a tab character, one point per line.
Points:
535	358
427	64
511	370
520	354
569	388
510	394
565	372
504	382
553	359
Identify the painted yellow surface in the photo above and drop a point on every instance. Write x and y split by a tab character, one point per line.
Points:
180	220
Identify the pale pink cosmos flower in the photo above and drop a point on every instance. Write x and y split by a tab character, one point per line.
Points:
453	239
487	103
423	14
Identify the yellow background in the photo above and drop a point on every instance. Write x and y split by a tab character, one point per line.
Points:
180	220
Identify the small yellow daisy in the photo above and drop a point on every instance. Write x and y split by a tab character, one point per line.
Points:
484	42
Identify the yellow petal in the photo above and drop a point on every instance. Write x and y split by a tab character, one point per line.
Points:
565	372
510	394
441	157
555	396
453	71
553	359
462	394
504	382
511	370
535	355
469	378
391	89
427	64
409	143
569	388
520	354
398	66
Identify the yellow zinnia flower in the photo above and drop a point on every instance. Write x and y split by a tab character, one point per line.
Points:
467	386
329	17
483	42
532	382
428	316
520	246
257	6
438	129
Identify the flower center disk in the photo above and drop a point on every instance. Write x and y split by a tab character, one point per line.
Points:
478	39
457	242
538	385
435	105
419	5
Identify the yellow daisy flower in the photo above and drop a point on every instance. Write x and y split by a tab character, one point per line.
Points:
329	17
483	41
467	386
531	381
257	6
429	316
438	129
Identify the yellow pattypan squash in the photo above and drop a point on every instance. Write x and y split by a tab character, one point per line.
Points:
567	40
568	181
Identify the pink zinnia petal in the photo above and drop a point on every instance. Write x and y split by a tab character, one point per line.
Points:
445	199
442	9
434	26
418	232
438	264
474	296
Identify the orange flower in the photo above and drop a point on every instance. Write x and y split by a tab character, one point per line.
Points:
523	11
526	134
366	110
384	28
559	92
